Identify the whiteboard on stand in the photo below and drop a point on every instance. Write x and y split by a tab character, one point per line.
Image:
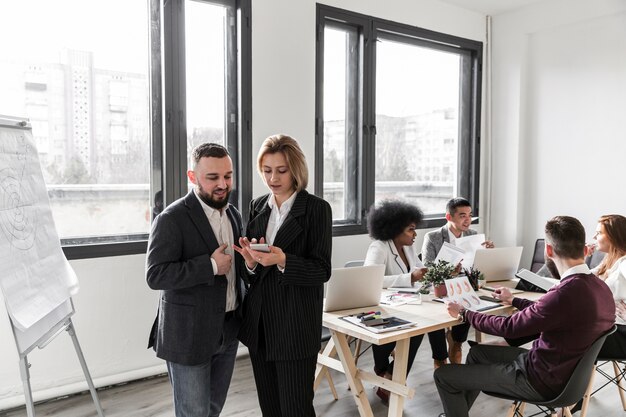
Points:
36	280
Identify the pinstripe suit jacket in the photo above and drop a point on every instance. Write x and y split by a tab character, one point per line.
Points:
288	305
433	241
189	323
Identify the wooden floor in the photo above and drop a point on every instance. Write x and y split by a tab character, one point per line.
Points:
152	397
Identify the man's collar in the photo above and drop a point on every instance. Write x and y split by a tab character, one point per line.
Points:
578	269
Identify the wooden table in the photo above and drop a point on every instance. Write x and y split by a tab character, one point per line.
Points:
428	315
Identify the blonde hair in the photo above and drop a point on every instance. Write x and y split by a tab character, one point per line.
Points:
614	227
294	156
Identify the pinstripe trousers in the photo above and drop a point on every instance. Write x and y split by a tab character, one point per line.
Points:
285	388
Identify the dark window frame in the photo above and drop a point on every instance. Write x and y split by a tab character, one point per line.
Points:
370	28
168	153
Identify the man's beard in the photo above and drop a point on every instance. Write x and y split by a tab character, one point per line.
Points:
552	268
210	201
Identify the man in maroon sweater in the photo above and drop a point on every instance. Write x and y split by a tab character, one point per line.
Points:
569	318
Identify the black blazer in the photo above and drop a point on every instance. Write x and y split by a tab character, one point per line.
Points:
289	305
190	318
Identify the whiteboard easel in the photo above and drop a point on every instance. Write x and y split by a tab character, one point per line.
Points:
42	332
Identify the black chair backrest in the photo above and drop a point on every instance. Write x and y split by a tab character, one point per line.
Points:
578	382
595	259
538	259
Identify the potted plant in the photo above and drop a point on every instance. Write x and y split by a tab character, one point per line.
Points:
473	275
437	274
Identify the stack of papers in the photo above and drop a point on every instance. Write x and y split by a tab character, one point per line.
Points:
463	251
398	298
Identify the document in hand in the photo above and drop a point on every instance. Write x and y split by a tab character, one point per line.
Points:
545	283
470	244
461	292
450	253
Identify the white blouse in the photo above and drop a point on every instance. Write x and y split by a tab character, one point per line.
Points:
616	280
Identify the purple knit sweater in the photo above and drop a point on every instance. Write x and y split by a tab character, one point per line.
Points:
570	317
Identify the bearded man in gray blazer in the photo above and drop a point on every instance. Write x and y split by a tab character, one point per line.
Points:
459	217
191	261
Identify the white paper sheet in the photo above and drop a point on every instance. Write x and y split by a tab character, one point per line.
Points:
450	253
460	291
470	244
36	277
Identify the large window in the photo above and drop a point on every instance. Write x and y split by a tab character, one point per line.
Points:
117	92
398	116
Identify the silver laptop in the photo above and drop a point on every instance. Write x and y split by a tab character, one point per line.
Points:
498	264
355	287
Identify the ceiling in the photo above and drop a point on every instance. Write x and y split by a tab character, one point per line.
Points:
491	7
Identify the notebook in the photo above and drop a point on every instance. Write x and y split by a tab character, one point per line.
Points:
498	264
355	287
544	283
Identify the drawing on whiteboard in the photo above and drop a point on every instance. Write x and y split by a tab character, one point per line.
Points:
16	219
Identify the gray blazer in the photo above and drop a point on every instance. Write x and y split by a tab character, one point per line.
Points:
190	320
433	241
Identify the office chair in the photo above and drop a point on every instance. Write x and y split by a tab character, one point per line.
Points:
618	380
577	386
595	259
351	264
538	260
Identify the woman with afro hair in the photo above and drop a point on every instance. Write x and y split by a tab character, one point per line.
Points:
392	225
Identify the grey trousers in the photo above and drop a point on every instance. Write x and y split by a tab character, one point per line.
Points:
498	369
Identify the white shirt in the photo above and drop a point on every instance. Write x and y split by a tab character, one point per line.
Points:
616	281
451	236
578	269
223	230
277	217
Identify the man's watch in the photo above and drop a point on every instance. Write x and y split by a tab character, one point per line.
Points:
461	316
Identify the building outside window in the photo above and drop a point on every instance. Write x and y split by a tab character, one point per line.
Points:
398	116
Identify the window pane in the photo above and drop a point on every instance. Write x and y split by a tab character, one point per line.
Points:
205	62
417	122
340	110
79	70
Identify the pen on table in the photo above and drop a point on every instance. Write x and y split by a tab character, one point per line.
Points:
405	292
369	313
370	316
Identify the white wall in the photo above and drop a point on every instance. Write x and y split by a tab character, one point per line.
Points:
559	99
114	307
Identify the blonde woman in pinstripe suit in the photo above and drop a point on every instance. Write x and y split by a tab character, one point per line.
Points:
283	308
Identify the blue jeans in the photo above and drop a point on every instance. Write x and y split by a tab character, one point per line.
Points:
200	390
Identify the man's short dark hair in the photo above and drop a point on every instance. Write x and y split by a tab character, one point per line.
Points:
208	150
455	203
389	218
567	236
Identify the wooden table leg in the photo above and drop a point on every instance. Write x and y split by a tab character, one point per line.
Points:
321	370
396	402
351	372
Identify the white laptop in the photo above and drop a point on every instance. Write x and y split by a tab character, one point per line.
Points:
498	264
355	287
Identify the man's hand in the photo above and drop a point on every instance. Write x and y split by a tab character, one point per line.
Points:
488	244
503	294
454	309
418	274
222	259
